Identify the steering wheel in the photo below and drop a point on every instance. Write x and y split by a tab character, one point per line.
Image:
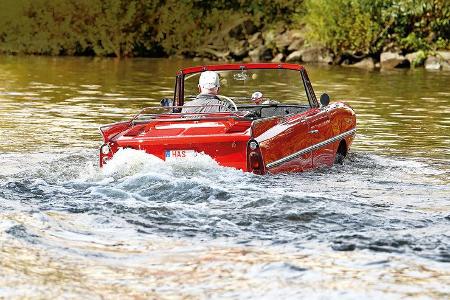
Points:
221	97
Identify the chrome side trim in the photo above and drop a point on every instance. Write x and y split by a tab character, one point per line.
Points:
310	148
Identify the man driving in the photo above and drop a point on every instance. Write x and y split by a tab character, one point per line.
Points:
257	98
207	100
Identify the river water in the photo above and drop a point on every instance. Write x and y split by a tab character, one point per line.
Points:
376	227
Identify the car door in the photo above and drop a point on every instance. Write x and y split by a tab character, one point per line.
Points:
320	133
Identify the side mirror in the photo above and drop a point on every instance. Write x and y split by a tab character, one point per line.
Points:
166	102
324	99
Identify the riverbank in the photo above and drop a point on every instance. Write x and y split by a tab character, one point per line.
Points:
367	34
284	45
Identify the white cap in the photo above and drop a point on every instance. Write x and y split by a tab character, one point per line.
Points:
209	80
256	95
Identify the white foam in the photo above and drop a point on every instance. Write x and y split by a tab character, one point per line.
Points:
129	162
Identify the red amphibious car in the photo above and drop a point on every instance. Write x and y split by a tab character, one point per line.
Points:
289	131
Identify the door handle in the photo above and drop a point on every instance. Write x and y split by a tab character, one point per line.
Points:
314	131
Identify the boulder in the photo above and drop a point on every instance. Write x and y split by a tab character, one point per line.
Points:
444	55
238	49
433	63
316	54
445	66
311	55
416	59
282	41
262	53
287	38
294	56
269	38
278	58
326	57
255	54
391	60
296	34
255	40
366	63
441	60
214	53
412	56
297	44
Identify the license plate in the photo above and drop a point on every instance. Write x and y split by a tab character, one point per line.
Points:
180	154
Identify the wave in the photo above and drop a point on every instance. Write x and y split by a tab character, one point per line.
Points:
371	202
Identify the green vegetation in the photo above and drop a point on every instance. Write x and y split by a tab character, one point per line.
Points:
342	25
77	27
199	27
128	27
368	26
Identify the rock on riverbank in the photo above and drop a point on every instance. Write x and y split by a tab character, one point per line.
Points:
248	43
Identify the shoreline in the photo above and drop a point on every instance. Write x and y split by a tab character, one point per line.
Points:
435	61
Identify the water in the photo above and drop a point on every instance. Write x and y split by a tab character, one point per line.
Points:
376	227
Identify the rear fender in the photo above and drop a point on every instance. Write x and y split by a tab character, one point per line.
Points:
111	130
109	147
261	126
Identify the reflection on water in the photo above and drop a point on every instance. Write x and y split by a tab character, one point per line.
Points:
55	102
376	227
162	268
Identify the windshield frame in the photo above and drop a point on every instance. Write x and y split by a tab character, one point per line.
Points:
187	72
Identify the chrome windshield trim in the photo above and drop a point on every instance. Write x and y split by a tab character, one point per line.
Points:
310	148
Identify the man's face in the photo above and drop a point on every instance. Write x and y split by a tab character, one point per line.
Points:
257	100
257	97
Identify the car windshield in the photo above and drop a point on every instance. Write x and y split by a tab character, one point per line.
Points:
280	85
